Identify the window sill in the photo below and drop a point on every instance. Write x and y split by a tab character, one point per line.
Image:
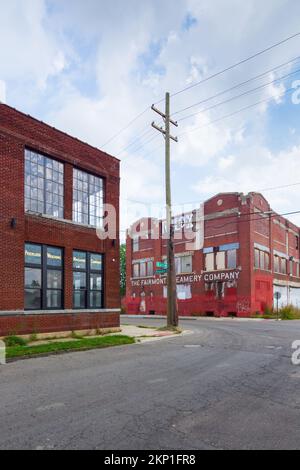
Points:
57	219
263	270
238	268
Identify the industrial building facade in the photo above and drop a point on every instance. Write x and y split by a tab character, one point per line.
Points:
56	274
249	253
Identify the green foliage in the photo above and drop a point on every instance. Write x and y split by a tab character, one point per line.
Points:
14	341
33	338
289	313
75	345
268	311
123	269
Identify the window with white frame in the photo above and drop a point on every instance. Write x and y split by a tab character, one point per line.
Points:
88	199
261	258
150	268
183	264
210	262
44	185
220	260
276	264
221	257
283	266
280	264
143	269
136	270
231	259
135	244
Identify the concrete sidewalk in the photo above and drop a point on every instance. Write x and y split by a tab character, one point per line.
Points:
143	334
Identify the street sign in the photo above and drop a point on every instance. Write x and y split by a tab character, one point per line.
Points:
161	271
161	265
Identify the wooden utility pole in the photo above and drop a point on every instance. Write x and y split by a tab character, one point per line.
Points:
171	272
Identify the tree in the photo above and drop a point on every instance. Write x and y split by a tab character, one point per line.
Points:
123	269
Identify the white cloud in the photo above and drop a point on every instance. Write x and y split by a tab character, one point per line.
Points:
2	91
263	172
226	162
30	52
202	142
106	72
198	69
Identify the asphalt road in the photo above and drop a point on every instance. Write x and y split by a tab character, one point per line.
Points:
229	385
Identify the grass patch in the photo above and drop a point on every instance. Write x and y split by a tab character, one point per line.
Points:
285	313
146	327
75	345
290	313
14	341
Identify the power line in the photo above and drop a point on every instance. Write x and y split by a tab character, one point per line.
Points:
278	187
231	67
213	122
229	100
239	85
145	132
274	188
125	128
286	186
266	100
271	215
232	114
153	137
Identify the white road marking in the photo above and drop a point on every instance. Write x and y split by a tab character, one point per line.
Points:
50	407
156	381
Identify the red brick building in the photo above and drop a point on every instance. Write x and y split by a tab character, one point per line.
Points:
248	253
55	273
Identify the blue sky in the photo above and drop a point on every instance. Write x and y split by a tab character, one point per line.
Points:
89	67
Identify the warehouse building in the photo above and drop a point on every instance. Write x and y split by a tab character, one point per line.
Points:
248	257
56	274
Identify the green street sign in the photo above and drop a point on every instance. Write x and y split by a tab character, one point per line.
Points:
161	271
162	265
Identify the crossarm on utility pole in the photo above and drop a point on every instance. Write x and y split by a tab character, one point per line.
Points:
160	129
175	123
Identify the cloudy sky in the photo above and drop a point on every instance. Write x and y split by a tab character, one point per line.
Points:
90	67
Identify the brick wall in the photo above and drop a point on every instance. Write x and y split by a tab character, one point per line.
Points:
29	324
17	132
238	223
